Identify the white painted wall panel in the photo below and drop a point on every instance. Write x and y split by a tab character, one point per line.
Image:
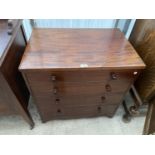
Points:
27	28
125	25
75	23
131	25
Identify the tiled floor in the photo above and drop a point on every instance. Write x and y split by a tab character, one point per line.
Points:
100	125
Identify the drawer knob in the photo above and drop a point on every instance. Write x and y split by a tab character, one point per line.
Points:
57	100
58	111
10	27
108	88
135	73
114	76
99	109
53	78
55	90
103	98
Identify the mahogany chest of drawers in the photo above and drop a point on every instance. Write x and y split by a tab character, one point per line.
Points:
75	73
14	94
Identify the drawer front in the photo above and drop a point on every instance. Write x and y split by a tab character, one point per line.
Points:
79	100
78	112
68	76
93	88
72	89
48	77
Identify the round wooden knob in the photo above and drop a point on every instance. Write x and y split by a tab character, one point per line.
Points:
108	88
135	73
57	100
55	90
99	109
10	26
10	23
103	98
59	111
114	76
53	78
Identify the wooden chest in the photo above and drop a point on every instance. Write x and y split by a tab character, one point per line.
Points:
75	73
14	94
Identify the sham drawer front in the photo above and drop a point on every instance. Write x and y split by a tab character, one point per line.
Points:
78	112
68	76
47	77
80	88
46	100
71	89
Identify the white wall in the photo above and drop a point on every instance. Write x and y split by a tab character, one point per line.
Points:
75	23
125	25
27	28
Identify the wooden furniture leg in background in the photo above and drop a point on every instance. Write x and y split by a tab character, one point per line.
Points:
127	116
133	110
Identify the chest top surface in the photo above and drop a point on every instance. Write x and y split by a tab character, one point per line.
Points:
79	48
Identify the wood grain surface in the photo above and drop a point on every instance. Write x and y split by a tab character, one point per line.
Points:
14	95
79	72
143	40
79	48
149	126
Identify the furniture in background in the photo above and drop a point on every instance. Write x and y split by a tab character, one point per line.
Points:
133	110
14	94
74	73
149	126
143	40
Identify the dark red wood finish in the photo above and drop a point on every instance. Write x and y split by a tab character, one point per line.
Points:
79	72
14	94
